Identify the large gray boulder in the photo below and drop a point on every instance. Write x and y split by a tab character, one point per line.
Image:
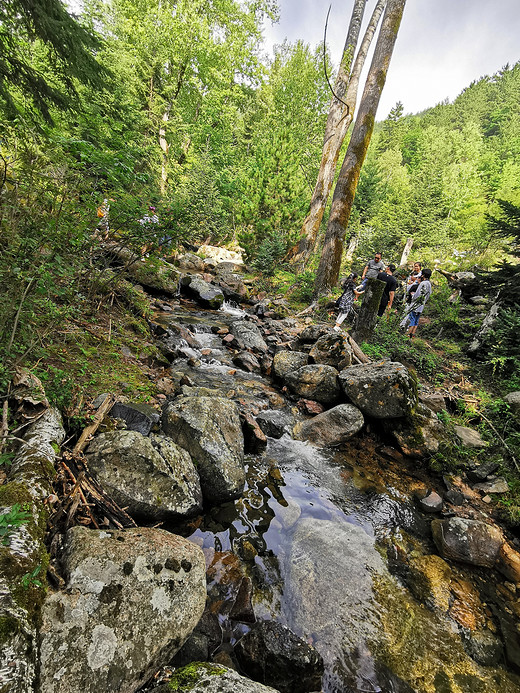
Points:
190	262
332	349
383	390
151	477
132	599
248	336
315	382
209	429
204	677
469	541
332	427
513	399
204	293
312	333
420	434
286	361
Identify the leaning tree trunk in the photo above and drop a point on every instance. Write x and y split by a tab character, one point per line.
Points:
367	316
406	252
342	202
341	114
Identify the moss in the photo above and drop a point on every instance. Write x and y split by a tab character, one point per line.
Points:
186	679
14	492
8	627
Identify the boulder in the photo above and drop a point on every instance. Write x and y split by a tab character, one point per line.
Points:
132	599
286	361
222	255
332	427
434	400
419	434
482	471
498	485
247	361
204	293
469	437
315	382
468	541
209	429
313	332
151	477
383	390
332	349
205	677
248	336
431	503
137	417
274	423
272	654
190	263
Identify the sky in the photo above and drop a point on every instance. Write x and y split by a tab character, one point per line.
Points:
442	46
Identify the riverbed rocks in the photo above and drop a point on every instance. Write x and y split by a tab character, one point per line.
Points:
272	654
248	336
332	349
383	390
132	598
315	381
150	476
204	677
419	434
209	429
203	292
469	541
285	362
333	427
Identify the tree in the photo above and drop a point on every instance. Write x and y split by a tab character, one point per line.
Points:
344	193
341	114
70	56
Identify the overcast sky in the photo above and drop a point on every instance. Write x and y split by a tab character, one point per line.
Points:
442	46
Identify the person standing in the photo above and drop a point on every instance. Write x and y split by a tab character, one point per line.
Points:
387	298
372	268
420	296
345	302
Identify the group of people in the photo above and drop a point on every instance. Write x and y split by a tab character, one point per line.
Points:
418	290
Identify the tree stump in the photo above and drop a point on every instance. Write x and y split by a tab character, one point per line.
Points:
367	317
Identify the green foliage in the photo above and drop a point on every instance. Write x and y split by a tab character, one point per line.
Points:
9	521
31	579
269	254
502	346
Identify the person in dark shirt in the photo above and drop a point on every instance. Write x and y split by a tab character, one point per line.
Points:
389	292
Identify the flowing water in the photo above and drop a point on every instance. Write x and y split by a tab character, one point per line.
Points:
316	535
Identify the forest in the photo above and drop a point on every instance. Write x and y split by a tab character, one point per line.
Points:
136	133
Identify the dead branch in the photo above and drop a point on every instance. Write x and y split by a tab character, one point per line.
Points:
90	430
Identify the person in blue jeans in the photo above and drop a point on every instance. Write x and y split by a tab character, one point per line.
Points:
372	269
421	292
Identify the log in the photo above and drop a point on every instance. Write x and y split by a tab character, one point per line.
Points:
89	431
367	317
360	356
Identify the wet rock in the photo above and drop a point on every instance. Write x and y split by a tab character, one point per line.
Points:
383	390
242	609
151	477
248	336
432	503
482	471
138	417
132	599
309	406
209	429
272	654
205	677
274	423
418	435
428	578
286	361
254	438
509	563
453	494
469	437
483	646
315	382
332	349
469	541
332	427
247	362
204	293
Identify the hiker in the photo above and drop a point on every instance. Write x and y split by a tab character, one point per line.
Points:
413	278
421	292
148	222
372	268
345	303
387	298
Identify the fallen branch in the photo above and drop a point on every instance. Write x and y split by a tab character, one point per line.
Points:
357	351
506	446
90	430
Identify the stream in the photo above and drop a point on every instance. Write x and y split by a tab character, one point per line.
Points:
324	540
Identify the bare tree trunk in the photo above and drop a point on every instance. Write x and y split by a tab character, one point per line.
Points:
328	270
352	245
406	252
165	148
341	114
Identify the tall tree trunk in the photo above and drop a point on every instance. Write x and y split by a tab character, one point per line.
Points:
343	199
341	114
406	252
165	148
367	316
